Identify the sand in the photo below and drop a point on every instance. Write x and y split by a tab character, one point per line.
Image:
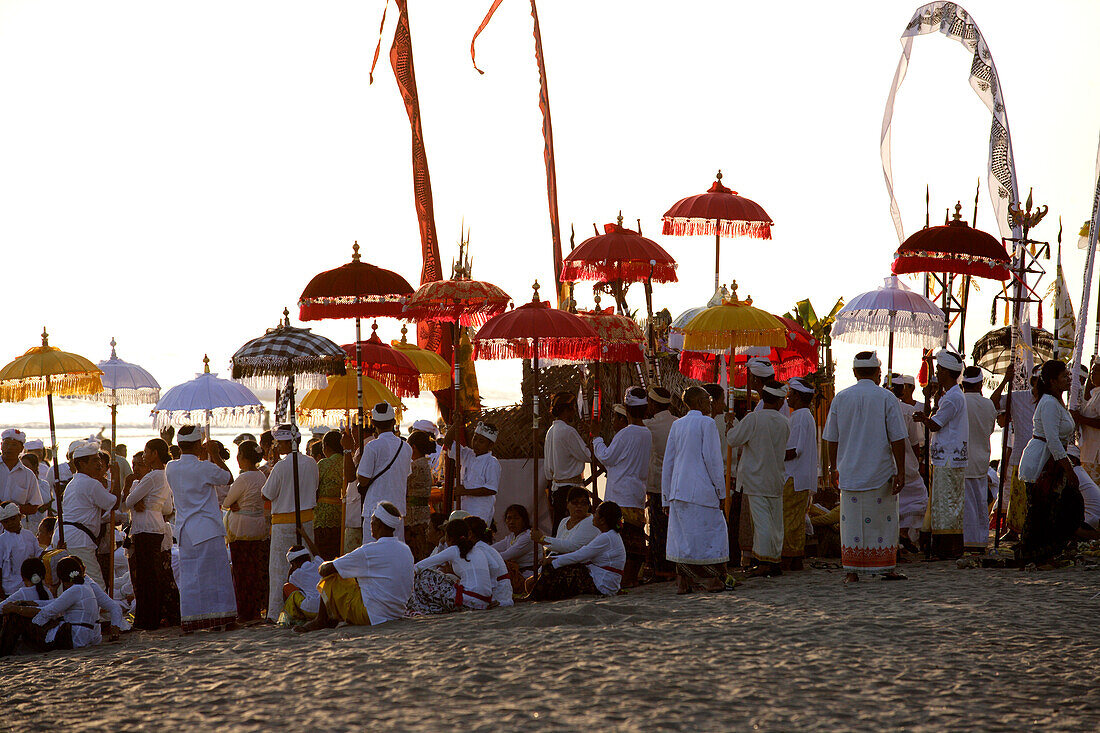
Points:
949	648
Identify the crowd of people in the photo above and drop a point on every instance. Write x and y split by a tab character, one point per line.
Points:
342	528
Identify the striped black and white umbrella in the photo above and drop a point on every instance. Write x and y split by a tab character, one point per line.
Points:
268	361
992	351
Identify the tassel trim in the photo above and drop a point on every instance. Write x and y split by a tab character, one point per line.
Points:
564	349
917	262
402	385
435	382
302	382
371	306
222	417
313	418
911	331
464	314
721	340
144	396
697	365
270	372
689	227
76	385
603	272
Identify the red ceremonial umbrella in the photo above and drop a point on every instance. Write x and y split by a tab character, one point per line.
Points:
354	290
721	212
379	360
797	359
459	302
620	341
532	331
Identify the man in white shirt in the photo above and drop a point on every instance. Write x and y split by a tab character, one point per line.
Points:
1018	408
18	484
981	419
564	455
477	491
948	454
799	471
279	489
383	471
207	599
866	441
913	499
764	435
692	491
659	423
82	507
627	462
760	372
37	448
371	584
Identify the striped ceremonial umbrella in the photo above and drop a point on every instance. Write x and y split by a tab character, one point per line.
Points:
45	371
993	351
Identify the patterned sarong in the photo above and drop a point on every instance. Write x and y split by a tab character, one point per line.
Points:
869	530
555	584
944	517
795	504
433	593
767	527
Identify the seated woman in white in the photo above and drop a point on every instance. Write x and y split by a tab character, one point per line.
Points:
576	530
467	585
498	569
32	591
595	569
70	621
517	548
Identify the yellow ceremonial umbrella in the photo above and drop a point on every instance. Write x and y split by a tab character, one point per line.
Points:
731	325
341	397
435	372
45	371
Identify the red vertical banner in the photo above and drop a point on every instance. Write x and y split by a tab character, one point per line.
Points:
428	335
548	156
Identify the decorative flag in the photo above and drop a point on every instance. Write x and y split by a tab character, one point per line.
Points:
1065	324
1083	314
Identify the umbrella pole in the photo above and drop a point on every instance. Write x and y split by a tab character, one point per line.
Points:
534	447
359	371
651	338
962	316
729	413
890	353
113	472
56	466
717	248
294	465
456	369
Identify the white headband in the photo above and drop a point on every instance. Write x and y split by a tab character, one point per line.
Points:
949	360
386	518
34	445
193	437
635	397
426	426
869	363
293	554
778	390
486	431
799	386
659	399
383	412
973	379
14	434
760	367
8	510
85	449
907	380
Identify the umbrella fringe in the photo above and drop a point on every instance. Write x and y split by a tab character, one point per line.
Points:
269	372
612	271
312	418
369	306
302	382
60	385
447	312
904	337
435	382
221	417
402	385
681	227
142	396
568	349
702	340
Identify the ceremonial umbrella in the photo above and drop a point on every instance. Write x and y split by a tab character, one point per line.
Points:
622	255
435	373
731	325
388	365
287	352
795	359
47	370
620	341
721	212
531	331
892	314
993	351
207	399
123	384
675	329
354	290
459	302
320	406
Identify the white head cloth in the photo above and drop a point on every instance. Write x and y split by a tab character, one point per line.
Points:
86	448
776	390
659	398
869	363
761	367
386	518
486	431
72	447
383	412
635	397
976	377
620	409
458	514
320	430
949	360
8	510
35	444
14	434
283	432
800	386
426	426
195	436
294	553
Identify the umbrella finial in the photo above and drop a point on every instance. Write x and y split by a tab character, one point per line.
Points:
113	344
374	329
535	287
719	176
205	364
45	337
404	330
733	290
286	317
958	211
355	251
620	218
596	295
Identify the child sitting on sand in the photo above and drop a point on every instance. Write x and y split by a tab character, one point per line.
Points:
300	591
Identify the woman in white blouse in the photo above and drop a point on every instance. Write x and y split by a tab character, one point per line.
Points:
467	584
248	532
1054	502
576	530
70	621
595	569
149	500
517	548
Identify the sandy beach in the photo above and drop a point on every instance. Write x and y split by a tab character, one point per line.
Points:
980	649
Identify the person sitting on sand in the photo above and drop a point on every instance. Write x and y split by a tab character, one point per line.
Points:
371	584
303	600
16	545
32	591
692	489
575	530
498	568
435	533
517	548
467	585
595	569
70	621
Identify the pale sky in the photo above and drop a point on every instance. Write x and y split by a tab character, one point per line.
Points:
173	173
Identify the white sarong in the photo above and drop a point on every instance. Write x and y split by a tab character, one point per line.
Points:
912	503
767	527
278	569
206	585
975	513
697	535
869	530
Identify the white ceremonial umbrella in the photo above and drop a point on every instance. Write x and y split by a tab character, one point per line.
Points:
208	399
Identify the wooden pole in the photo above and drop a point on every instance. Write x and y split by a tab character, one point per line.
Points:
294	461
113	473
534	447
56	467
359	371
